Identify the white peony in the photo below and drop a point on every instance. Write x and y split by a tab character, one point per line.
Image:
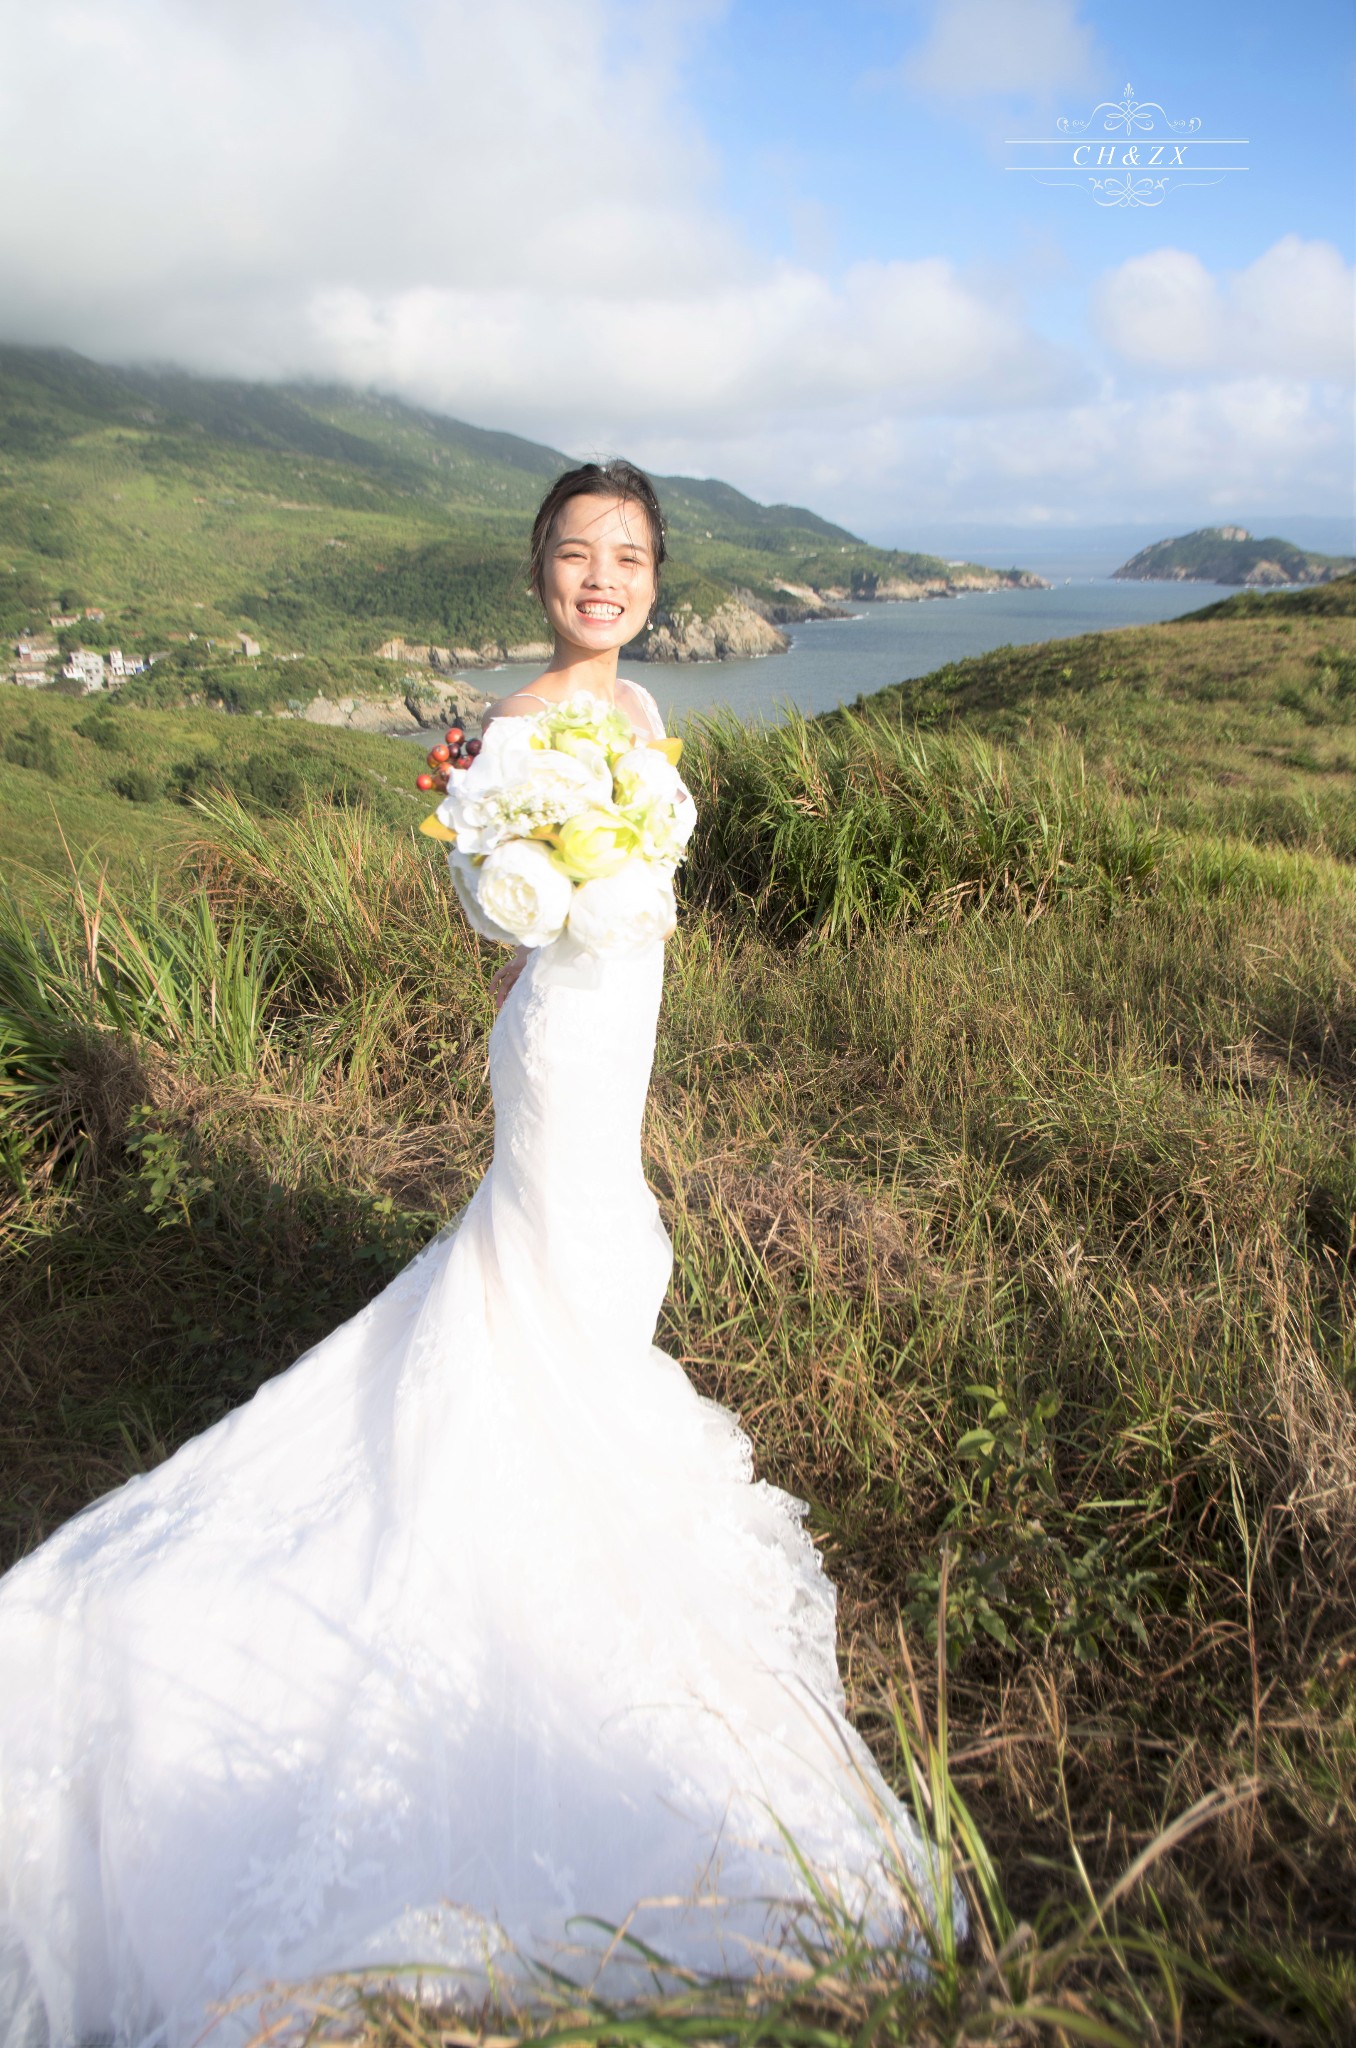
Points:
514	785
648	773
520	889
623	912
465	873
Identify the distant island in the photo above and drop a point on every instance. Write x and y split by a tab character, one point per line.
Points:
1229	554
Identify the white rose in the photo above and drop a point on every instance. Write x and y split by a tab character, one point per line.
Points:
645	770
623	912
521	890
521	789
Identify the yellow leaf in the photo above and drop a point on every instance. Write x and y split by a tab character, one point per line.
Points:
434	828
671	749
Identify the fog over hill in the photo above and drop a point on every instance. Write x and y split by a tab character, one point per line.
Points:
323	520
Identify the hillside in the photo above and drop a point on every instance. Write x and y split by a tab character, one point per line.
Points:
1002	1121
335	523
1229	554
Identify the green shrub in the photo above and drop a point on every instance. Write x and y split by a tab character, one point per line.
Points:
104	730
32	746
269	782
138	785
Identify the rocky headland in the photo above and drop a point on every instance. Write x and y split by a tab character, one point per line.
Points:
1230	554
742	626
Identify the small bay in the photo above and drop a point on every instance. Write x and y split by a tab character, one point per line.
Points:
831	661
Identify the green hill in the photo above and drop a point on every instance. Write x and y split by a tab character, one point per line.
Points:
326	522
1229	554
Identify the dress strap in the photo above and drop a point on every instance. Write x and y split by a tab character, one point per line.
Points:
656	716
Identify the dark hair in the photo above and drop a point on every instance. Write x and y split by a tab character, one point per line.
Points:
616	479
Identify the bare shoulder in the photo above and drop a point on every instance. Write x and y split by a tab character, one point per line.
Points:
517	704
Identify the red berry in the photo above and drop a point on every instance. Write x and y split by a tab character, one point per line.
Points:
473	747
453	734
437	755
423	782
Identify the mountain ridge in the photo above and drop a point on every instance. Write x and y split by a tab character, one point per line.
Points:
319	520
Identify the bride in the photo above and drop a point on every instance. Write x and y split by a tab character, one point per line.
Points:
470	1639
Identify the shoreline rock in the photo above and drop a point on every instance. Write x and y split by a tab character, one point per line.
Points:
423	707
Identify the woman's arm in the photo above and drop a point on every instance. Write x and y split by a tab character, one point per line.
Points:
519	704
503	978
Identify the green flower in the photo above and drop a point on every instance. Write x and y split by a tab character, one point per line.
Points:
593	843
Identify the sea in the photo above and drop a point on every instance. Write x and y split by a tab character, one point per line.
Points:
831	661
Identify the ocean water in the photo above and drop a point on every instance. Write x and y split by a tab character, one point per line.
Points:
831	661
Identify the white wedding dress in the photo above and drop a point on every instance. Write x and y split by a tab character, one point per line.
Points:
472	1622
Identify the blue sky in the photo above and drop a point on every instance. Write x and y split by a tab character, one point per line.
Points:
821	134
773	243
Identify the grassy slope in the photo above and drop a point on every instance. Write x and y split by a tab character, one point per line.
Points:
1076	1123
318	519
70	793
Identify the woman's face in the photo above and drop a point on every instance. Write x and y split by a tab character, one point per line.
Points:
598	582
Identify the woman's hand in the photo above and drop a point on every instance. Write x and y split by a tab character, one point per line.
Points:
502	980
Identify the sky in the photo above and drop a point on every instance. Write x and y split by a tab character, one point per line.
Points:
774	241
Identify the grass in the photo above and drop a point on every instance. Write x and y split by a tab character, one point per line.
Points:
115	778
1007	1138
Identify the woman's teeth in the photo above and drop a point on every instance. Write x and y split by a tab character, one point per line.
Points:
601	611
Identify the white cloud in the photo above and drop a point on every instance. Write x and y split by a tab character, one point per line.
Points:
1178	457
1290	313
508	212
503	211
894	336
1011	49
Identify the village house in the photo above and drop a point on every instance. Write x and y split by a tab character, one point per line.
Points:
249	648
86	668
32	654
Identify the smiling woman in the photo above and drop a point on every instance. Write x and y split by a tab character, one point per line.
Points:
598	545
469	1646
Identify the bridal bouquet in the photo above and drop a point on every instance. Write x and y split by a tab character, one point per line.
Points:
563	821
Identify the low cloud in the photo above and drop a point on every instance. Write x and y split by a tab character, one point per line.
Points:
1179	457
906	337
510	213
1291	313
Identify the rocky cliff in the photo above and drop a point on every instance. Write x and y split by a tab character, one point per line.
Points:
733	631
424	706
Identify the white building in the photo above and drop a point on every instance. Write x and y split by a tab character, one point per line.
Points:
115	662
87	668
249	648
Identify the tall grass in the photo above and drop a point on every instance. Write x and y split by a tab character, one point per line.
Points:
1009	1156
836	830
